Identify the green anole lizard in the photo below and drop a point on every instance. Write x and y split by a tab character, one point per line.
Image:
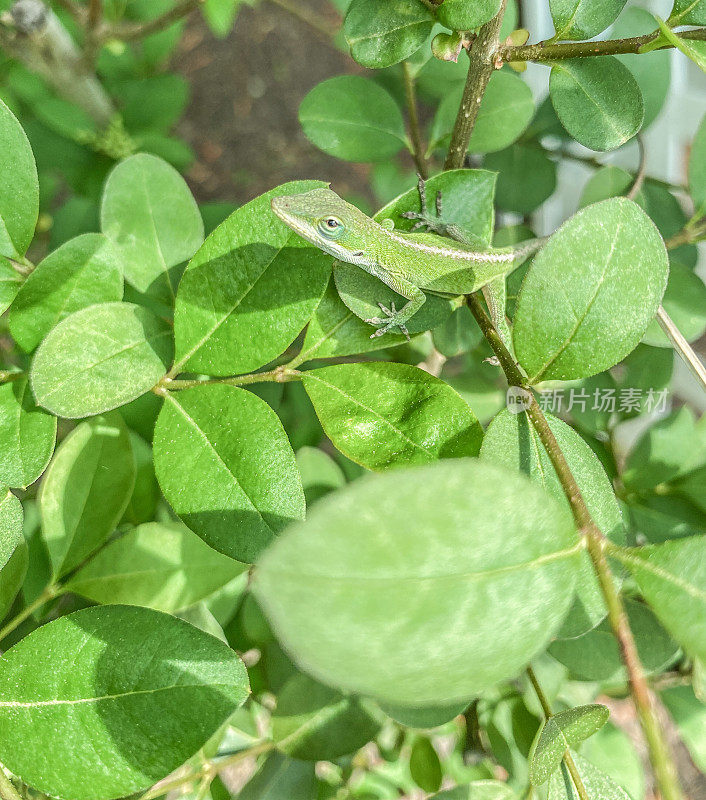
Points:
409	263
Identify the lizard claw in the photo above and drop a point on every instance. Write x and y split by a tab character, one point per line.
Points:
387	323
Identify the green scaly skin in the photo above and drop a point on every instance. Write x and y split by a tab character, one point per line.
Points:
409	263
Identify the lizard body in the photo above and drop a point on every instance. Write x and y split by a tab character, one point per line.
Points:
409	263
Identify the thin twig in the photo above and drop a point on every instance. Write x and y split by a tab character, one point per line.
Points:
480	68
545	51
48	594
414	129
95	14
209	768
680	344
76	11
641	171
283	374
660	757
567	757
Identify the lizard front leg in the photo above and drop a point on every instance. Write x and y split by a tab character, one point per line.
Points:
395	318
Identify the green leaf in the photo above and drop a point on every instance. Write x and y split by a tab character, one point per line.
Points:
19	187
335	330
27	436
320	474
10	283
480	578
685	302
607	262
505	112
82	689
220	15
689	714
560	732
459	334
595	656
465	15
597	100
612	751
688	12
692	50
697	168
478	790
652	71
426	716
85	490
151	216
659	519
583	19
227	469
597	783
512	441
82	272
666	450
424	765
383	32
467	196
158	565
249	290
672	578
382	415
100	358
353	118
315	723
281	778
145	496
13	549
526	177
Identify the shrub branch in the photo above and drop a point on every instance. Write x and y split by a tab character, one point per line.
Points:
480	68
548	51
660	757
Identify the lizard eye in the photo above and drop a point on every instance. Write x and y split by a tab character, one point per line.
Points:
331	226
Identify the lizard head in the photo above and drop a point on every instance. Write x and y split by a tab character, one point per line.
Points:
324	219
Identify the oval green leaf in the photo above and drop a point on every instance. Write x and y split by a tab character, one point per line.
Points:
158	565
597	100
526	177
27	436
465	15
79	686
10	283
13	549
86	490
583	19
505	112
688	12
607	263
100	358
596	783
672	578
424	765
226	467
382	415
478	790
564	730
383	32
249	290
19	187
315	723
353	118
512	441
150	214
81	273
422	586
